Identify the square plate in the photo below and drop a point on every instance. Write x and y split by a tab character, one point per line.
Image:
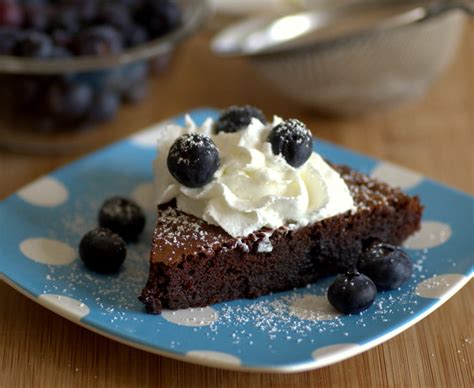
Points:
297	330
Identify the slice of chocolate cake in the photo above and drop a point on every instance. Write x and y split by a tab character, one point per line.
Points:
246	207
196	264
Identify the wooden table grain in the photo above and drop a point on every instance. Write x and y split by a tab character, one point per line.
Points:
433	135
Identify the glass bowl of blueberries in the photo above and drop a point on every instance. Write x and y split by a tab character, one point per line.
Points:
68	65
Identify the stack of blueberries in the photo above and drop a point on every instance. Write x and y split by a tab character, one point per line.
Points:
52	29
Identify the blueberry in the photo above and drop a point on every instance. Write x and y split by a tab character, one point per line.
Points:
135	35
116	15
292	139
160	17
70	100
65	18
34	44
123	217
122	79
62	38
99	40
104	107
36	16
235	118
102	250
11	14
388	266
88	11
193	159
352	293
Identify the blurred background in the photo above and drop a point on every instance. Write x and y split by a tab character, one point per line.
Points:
389	78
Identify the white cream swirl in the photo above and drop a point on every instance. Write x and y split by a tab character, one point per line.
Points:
253	188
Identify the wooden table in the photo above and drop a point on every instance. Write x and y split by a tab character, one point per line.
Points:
434	136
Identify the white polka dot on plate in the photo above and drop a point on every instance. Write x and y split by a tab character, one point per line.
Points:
198	316
144	195
431	234
396	175
213	356
440	285
334	350
148	138
313	308
48	251
46	191
65	306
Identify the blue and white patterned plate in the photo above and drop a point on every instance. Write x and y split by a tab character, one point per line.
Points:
42	224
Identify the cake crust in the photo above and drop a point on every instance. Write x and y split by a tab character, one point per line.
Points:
194	264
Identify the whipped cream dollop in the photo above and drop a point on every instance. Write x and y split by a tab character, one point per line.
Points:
253	188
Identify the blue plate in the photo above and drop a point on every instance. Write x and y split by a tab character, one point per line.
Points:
42	224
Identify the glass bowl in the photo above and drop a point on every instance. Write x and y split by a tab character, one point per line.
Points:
125	73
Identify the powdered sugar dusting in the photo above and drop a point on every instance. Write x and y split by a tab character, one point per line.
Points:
114	296
367	192
438	285
313	308
295	316
199	316
177	230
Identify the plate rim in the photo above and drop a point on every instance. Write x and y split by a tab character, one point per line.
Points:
214	363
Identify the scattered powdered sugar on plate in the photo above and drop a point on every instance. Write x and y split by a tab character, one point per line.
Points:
114	295
294	315
297	316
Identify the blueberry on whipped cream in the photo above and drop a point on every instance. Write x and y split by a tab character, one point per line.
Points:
252	187
236	118
292	139
193	159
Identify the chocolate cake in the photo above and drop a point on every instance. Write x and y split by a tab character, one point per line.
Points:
194	263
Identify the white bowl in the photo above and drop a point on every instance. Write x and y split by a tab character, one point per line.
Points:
365	73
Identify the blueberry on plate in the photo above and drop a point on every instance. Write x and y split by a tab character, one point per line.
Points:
122	216
388	266
102	250
34	44
352	293
99	40
292	139
193	159
235	118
